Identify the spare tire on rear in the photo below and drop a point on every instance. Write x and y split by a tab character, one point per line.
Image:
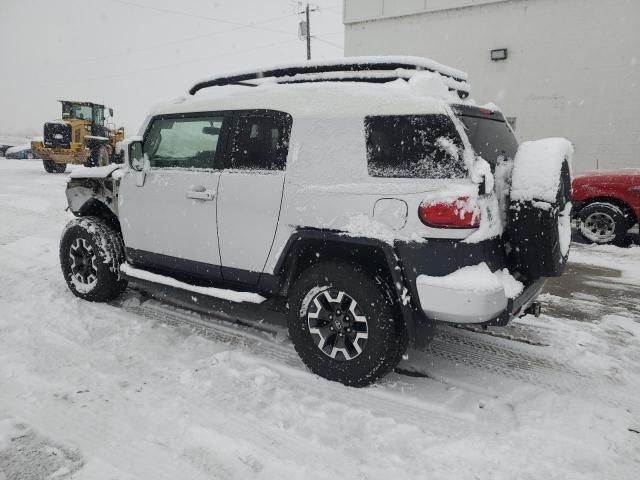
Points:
539	217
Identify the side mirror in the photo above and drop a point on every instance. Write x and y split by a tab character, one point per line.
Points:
136	156
111	112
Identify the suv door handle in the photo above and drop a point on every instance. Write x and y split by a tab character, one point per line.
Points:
201	193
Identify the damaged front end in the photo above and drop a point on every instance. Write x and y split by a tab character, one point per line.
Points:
94	193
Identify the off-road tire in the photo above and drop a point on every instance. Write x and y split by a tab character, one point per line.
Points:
99	157
603	223
52	167
106	249
384	345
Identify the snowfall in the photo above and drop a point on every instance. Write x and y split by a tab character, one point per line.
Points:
140	389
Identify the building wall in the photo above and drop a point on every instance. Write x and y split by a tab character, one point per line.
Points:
572	69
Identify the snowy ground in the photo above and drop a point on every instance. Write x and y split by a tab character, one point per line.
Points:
141	390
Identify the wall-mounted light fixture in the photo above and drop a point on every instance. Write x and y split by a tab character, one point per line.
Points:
499	54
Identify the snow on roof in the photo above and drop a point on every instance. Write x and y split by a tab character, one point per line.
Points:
366	68
421	62
425	92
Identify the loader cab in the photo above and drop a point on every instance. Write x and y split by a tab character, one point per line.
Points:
91	112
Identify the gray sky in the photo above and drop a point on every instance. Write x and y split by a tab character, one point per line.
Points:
131	54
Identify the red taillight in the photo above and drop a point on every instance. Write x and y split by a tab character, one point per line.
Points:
486	111
457	214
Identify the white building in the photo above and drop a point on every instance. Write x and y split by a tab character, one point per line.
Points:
571	66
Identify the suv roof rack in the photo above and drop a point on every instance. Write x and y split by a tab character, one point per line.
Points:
350	69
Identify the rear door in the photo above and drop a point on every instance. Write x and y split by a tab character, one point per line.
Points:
168	211
250	192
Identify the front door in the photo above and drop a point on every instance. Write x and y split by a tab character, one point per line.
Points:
168	211
250	192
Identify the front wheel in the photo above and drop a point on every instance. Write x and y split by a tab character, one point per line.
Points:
344	325
52	167
603	223
91	253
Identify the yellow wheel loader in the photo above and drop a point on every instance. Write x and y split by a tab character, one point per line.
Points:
82	136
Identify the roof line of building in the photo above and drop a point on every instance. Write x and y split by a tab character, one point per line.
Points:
423	12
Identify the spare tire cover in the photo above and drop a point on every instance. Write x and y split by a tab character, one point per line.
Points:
539	229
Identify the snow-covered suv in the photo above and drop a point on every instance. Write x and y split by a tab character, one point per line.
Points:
367	195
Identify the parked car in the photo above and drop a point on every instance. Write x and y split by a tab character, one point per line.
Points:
3	148
606	204
365	211
20	152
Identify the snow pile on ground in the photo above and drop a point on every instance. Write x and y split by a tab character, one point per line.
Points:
538	164
478	279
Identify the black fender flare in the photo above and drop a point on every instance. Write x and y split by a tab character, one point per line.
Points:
328	241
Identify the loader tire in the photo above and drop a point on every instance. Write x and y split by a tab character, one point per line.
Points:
99	157
52	167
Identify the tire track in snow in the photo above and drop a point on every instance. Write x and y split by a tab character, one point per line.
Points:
525	363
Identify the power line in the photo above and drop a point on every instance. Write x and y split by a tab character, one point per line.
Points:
186	62
341	47
201	17
328	34
176	42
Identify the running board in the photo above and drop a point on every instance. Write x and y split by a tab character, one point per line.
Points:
268	312
222	293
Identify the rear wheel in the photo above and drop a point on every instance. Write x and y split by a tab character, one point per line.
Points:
52	167
603	223
99	157
343	324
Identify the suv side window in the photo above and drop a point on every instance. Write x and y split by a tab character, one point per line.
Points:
414	146
184	142
260	141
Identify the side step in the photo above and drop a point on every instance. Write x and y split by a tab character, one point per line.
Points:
222	293
228	304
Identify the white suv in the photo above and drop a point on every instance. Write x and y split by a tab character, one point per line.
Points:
368	193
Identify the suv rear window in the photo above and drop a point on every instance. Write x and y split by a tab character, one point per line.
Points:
413	146
490	138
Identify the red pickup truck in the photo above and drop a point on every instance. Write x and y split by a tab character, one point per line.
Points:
606	204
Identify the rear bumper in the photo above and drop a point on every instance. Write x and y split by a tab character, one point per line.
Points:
456	305
438	258
453	305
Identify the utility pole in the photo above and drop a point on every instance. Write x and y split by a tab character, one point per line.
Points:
305	27
308	34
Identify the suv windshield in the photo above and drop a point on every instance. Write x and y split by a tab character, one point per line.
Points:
414	146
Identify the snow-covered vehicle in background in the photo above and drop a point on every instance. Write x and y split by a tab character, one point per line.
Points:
606	204
365	197
20	152
4	147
